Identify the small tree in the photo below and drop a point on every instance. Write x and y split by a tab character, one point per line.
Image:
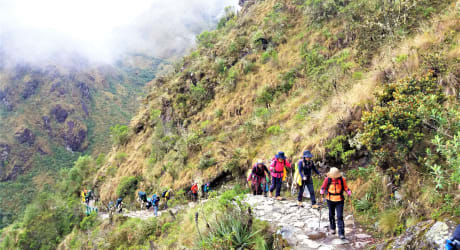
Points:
119	134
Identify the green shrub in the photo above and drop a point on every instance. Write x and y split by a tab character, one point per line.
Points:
218	113
234	164
397	124
207	39
248	66
231	79
120	157
207	161
270	54
127	186
306	109
340	150
274	130
89	222
119	134
221	66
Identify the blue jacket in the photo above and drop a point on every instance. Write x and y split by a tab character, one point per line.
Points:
305	168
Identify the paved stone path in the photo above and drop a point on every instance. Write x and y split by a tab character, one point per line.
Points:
300	225
145	214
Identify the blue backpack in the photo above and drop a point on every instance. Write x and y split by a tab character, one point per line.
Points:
142	196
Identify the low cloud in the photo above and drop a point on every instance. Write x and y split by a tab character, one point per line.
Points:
102	30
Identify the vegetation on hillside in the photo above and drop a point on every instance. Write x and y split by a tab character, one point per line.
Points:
369	86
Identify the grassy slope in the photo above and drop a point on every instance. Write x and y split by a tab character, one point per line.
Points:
227	132
113	100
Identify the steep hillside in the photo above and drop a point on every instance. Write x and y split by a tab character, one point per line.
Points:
50	115
279	76
370	86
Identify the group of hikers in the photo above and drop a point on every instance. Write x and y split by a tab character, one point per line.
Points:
333	187
154	202
205	189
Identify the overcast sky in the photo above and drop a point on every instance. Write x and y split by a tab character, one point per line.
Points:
101	30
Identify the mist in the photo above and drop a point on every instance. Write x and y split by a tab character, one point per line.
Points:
34	31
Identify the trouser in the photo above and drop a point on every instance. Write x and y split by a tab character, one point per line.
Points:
333	207
195	196
165	203
155	210
258	184
311	190
276	183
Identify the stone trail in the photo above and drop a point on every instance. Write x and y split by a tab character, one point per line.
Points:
299	225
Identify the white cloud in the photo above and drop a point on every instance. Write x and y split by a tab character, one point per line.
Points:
101	30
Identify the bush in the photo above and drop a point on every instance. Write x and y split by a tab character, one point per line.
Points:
274	130
340	150
119	134
207	39
127	186
89	222
207	161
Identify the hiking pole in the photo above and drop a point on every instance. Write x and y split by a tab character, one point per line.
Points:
320	208
352	212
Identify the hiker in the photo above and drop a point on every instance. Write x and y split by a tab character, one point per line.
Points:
165	196
119	205
149	204
305	166
88	196
194	190
454	242
334	185
142	198
257	178
155	203
206	188
83	196
277	171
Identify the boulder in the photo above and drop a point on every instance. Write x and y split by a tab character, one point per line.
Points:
75	136
30	88
59	113
25	135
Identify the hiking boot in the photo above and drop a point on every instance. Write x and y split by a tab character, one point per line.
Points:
342	237
270	194
300	204
333	231
314	206
279	198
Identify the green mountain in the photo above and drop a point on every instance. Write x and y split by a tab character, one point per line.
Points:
369	86
50	115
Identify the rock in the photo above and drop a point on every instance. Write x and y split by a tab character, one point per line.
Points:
30	88
46	122
75	136
316	235
5	150
362	236
84	90
59	113
339	242
25	135
398	197
437	234
299	224
311	243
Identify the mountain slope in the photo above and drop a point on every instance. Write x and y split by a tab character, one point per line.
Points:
52	114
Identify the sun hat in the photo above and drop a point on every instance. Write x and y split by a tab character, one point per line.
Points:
280	155
307	154
334	173
259	161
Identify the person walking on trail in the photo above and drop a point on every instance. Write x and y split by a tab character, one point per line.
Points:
155	203
257	178
119	205
165	196
334	186
206	188
277	169
454	242
142	199
305	166
194	190
89	196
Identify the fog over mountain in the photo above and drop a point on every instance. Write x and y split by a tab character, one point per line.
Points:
100	31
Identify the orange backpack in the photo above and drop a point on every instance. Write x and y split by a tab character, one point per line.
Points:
335	191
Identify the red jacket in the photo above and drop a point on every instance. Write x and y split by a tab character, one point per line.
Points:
277	167
194	188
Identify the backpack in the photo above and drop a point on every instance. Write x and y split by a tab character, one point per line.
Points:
119	200
142	196
163	195
167	194
297	176
329	182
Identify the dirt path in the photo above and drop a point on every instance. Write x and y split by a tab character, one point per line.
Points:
299	226
145	214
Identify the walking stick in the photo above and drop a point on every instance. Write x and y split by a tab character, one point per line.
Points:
320	208
352	212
